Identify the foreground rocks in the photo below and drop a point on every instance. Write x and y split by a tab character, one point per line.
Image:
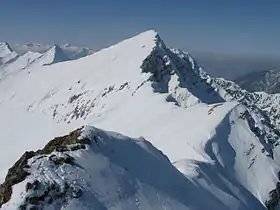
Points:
19	171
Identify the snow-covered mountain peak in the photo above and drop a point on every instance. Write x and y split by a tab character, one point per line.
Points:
72	52
7	55
5	49
55	55
144	39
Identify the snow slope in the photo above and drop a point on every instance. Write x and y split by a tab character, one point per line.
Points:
21	63
29	61
102	177
140	87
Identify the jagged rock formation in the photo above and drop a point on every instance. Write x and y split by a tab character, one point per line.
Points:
19	171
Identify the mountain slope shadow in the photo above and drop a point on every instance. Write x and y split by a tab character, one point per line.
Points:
158	173
221	174
189	74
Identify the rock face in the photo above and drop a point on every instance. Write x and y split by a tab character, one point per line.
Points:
16	174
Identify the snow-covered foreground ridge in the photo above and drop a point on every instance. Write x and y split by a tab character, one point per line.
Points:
90	169
226	150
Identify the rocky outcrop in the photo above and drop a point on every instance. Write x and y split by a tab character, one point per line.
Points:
16	174
19	171
274	195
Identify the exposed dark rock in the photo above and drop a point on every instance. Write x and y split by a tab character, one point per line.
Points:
50	193
274	195
76	192
74	97
18	172
83	141
59	142
28	186
67	159
77	147
32	186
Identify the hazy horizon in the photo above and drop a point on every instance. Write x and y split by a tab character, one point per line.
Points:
221	27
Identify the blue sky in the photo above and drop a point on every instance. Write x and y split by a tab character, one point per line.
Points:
228	26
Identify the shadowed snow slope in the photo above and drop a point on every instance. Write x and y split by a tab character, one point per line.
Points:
55	55
103	177
139	87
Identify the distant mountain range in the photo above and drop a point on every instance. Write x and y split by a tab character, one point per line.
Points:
264	81
72	52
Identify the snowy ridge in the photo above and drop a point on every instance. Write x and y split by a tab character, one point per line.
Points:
66	178
54	55
267	103
140	87
71	51
31	60
19	64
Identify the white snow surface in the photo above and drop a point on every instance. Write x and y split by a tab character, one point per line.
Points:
200	133
108	179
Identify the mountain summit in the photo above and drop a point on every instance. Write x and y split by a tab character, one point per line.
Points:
6	53
54	55
179	136
5	49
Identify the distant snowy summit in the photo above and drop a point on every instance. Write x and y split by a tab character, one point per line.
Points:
55	55
5	49
6	53
22	57
71	51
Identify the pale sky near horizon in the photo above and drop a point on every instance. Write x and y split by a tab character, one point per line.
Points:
219	26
